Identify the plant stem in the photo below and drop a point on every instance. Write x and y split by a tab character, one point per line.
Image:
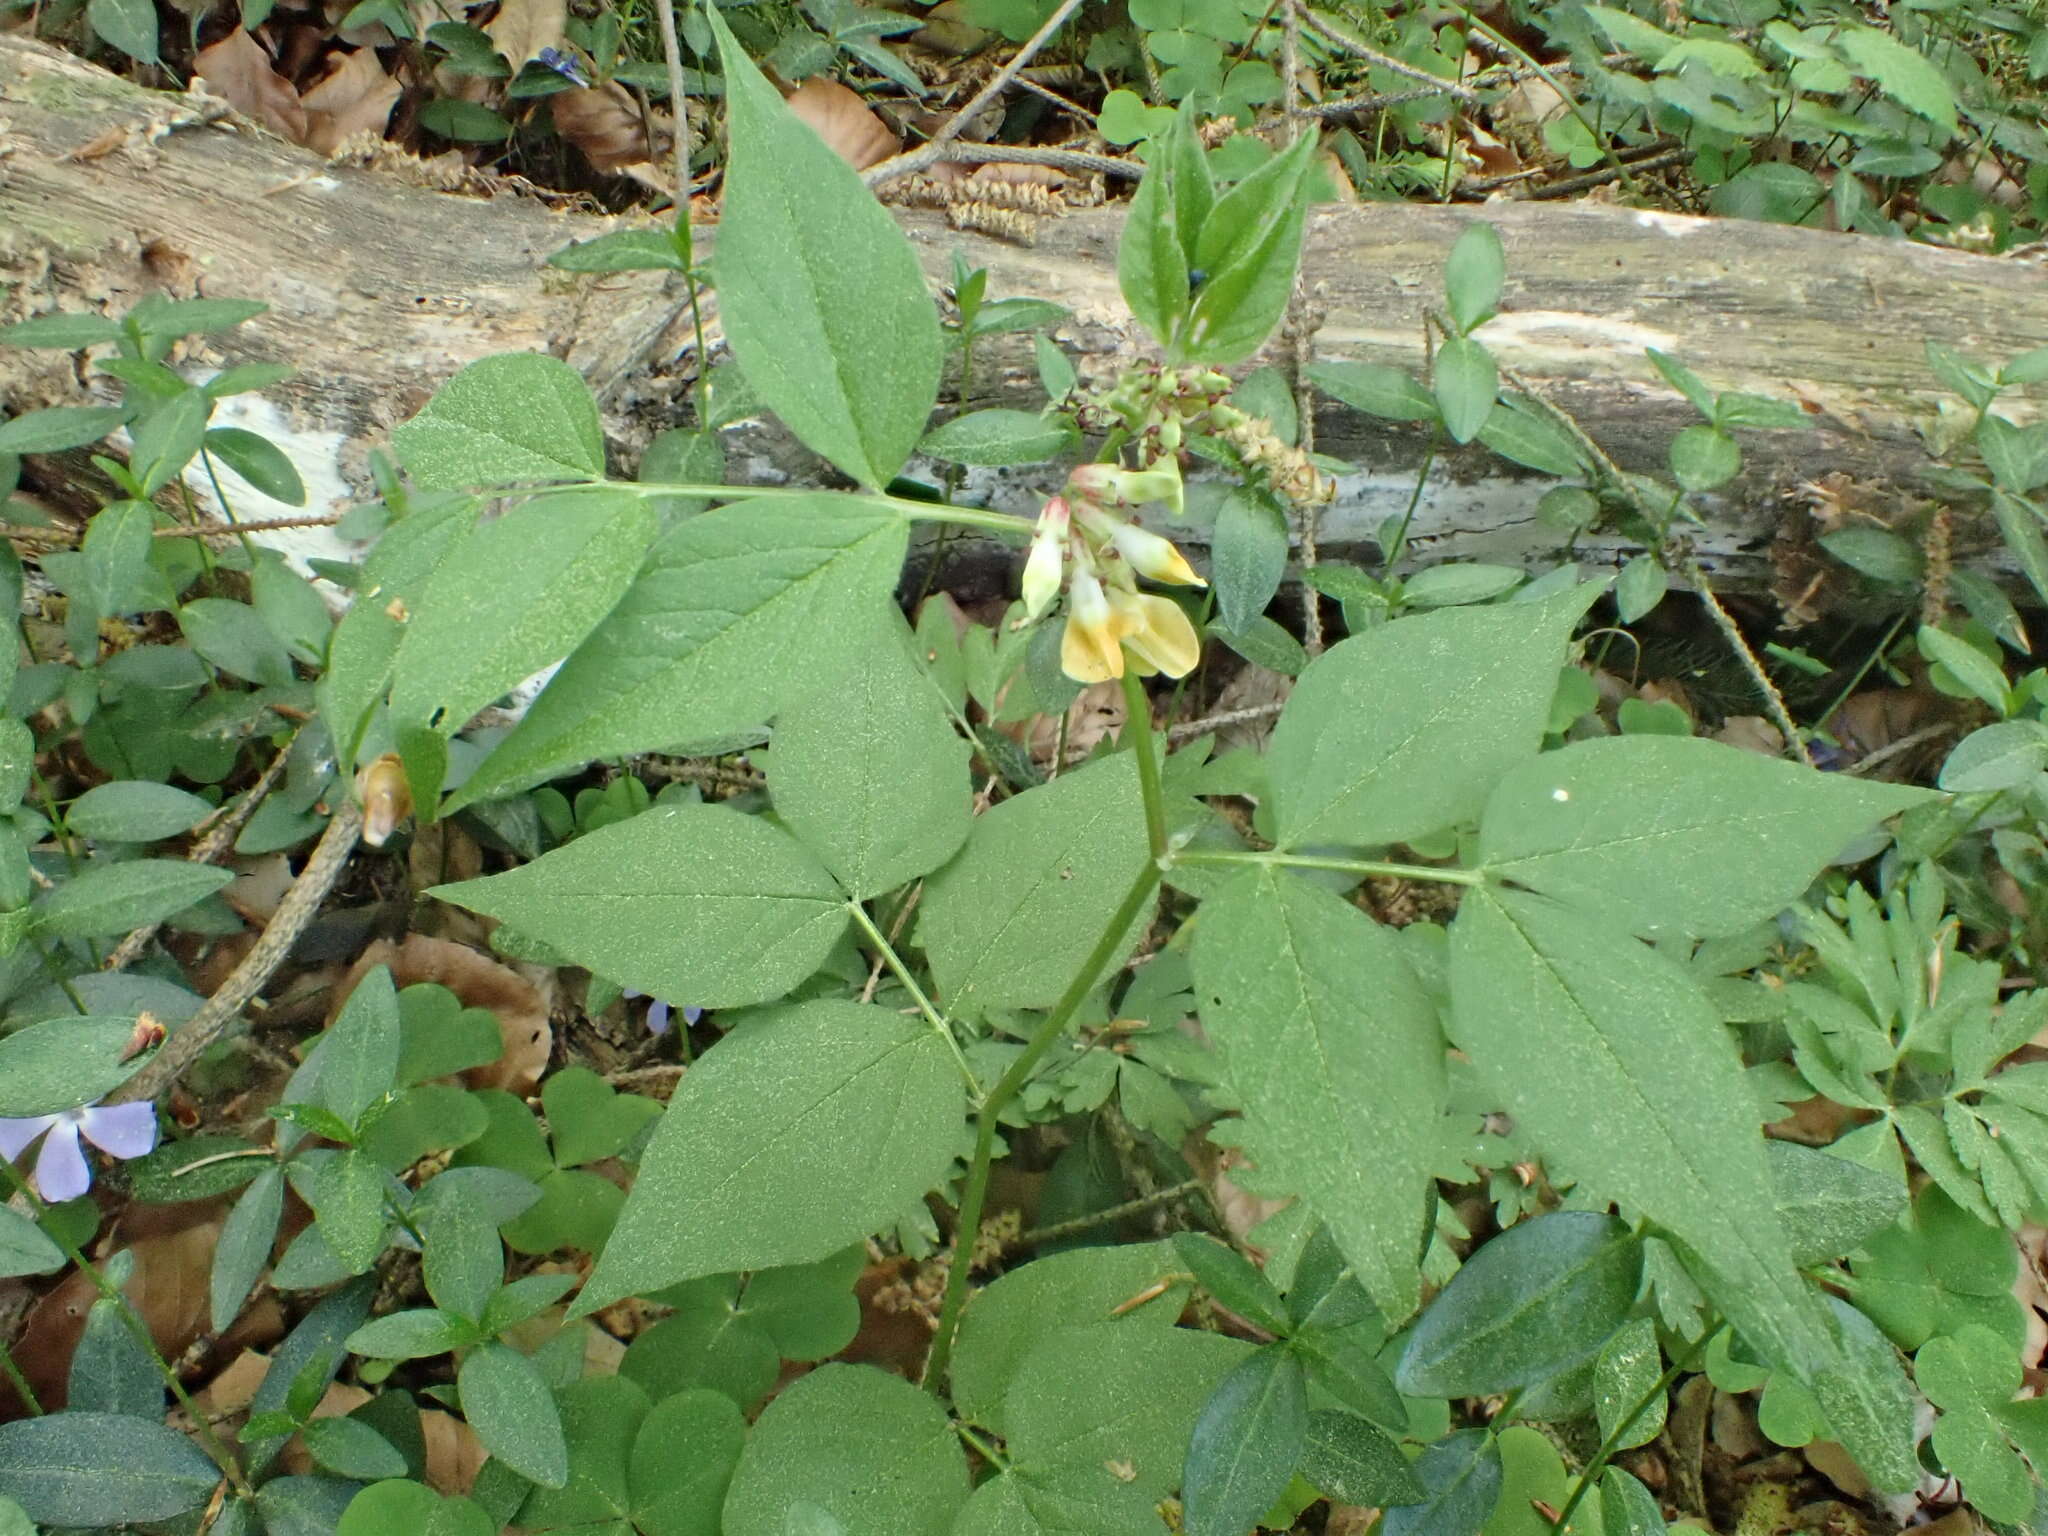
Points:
1346	866
13	1373
932	1015
904	506
975	1189
1679	1366
982	1448
1039	1236
1138	715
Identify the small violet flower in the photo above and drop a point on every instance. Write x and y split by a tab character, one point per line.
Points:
660	1015
563	64
62	1173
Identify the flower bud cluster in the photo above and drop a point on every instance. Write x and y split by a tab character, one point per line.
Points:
1290	473
1155	407
1098	557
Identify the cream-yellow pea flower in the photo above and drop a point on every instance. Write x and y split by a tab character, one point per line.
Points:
1150	555
1091	649
1043	567
1158	634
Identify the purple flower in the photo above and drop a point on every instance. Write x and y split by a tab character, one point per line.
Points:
564	65
659	1013
62	1173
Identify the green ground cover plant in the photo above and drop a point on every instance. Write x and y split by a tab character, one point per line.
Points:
916	948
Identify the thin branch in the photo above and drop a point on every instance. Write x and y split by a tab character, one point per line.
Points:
220	837
1774	701
679	101
1322	27
1188	730
301	903
934	147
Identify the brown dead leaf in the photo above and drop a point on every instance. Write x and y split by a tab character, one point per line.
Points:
480	982
843	120
453	1452
172	1247
355	96
1752	733
239	72
523	29
604	123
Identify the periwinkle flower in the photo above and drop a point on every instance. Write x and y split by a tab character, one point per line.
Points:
563	64
62	1173
660	1015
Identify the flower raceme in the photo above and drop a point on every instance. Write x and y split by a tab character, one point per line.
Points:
1098	556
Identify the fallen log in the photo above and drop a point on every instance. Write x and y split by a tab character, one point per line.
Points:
380	286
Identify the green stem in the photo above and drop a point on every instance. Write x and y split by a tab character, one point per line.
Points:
1390	556
975	1190
230	1468
13	1372
982	1448
1612	1443
1138	714
932	1015
1346	866
904	506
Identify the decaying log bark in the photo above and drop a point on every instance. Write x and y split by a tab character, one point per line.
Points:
381	287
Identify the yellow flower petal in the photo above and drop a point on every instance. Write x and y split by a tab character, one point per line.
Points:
1163	637
1091	649
1152	556
1089	655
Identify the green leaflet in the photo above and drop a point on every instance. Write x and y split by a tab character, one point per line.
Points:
508	1404
1612	1059
1250	245
1406	730
515	417
699	904
93	1469
63	1063
1008	922
623	1457
366	641
725	624
1332	1049
804	1130
1006	1319
1245	1444
868	770
1672	835
868	1448
819	292
1100	1419
515	596
108	899
1538	1299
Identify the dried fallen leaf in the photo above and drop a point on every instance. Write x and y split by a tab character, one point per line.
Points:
172	1247
524	29
604	123
238	71
480	982
453	1452
843	121
356	96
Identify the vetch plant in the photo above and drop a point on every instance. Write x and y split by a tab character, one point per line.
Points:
903	951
